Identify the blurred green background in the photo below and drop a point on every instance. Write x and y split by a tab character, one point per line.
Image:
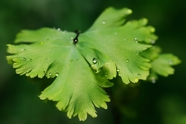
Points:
161	103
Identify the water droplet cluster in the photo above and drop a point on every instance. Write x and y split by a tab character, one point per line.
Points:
136	39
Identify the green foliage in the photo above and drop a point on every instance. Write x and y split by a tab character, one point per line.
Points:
82	64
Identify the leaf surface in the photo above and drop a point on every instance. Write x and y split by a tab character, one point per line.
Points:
58	57
82	64
121	44
163	64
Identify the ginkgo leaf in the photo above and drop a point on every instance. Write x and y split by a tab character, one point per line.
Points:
83	63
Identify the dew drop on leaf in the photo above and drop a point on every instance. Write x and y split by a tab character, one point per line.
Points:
57	74
64	31
94	60
127	60
170	62
103	22
58	29
152	41
136	39
50	74
118	70
124	39
24	59
136	80
27	72
153	81
115	33
23	49
119	74
139	75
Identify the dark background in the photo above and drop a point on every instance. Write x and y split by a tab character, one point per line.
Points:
161	103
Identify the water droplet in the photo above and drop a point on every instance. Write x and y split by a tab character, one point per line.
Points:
24	59
136	39
117	70
152	41
139	75
137	53
107	63
119	74
23	50
153	81
94	60
57	74
49	73
71	38
170	62
125	39
136	80
58	29
115	33
127	60
75	40
27	72
103	22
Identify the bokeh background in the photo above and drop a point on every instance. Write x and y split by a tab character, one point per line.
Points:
161	103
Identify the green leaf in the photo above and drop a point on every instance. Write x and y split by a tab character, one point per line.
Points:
36	59
121	44
162	65
75	93
111	17
82	64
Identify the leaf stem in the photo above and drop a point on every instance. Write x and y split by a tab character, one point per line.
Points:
76	38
